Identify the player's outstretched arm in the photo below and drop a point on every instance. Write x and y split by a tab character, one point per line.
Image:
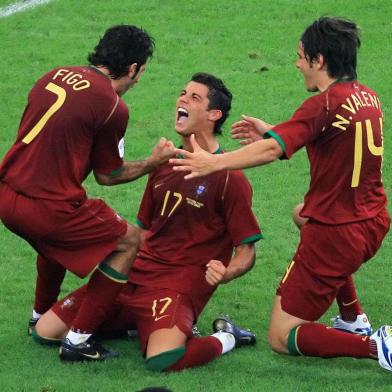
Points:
131	170
242	261
249	129
200	162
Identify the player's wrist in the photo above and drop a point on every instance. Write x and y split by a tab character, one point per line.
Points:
219	162
152	163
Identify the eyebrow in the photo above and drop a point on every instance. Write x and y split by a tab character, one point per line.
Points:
196	95
193	94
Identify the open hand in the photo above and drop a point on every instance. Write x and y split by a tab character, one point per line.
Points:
198	163
249	129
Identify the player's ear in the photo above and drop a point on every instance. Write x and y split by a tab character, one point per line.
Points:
132	70
319	61
214	114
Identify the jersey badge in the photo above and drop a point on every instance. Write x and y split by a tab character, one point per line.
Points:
67	303
200	189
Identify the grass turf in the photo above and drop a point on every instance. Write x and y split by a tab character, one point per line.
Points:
251	44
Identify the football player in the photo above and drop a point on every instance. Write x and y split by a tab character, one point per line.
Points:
341	128
190	230
75	123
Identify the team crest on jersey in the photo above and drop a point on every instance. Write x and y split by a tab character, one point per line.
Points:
201	189
67	303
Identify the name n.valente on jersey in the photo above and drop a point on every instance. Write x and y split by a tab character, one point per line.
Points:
71	78
353	104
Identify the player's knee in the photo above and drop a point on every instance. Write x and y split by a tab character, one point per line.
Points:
165	359
277	341
42	335
299	220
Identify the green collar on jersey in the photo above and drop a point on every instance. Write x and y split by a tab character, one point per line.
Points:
98	71
344	79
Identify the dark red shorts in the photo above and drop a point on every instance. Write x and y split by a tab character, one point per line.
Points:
144	308
326	256
77	236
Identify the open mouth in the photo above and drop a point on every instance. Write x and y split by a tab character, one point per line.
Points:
182	115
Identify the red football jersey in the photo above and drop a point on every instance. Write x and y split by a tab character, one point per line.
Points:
74	122
342	131
190	223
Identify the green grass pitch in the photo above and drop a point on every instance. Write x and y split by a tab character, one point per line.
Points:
251	44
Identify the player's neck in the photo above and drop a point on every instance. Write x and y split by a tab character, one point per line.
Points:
206	142
101	69
324	82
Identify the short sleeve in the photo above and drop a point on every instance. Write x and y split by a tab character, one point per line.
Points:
237	201
307	123
144	216
108	148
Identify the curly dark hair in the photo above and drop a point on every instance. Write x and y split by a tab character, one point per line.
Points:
120	47
219	95
337	39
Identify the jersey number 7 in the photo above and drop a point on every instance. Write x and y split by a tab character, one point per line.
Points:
61	95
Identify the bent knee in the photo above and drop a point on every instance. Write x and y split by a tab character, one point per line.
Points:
43	336
50	327
298	220
164	359
278	342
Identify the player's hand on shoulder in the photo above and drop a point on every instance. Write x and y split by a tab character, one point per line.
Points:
162	152
215	272
249	129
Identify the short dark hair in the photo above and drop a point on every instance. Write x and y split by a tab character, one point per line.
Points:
219	95
337	39
120	47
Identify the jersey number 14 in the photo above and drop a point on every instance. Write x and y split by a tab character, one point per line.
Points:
358	148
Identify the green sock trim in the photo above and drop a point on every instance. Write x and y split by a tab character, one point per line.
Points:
292	342
45	341
112	273
164	360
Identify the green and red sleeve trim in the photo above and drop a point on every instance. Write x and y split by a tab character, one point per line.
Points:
140	224
252	238
275	136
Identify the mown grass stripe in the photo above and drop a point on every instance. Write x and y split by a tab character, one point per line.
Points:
20	6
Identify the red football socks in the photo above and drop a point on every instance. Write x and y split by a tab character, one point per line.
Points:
198	352
318	340
101	292
348	302
50	275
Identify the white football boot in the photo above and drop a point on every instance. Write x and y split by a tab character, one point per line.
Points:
360	326
383	338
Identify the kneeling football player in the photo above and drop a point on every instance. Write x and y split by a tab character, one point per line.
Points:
197	234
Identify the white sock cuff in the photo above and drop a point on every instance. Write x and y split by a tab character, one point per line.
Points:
227	340
36	315
77	338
